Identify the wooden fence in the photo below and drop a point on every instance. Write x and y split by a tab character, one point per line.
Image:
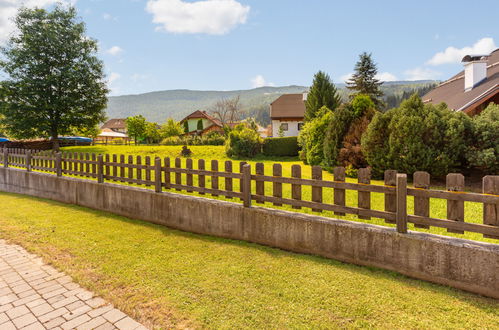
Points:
167	174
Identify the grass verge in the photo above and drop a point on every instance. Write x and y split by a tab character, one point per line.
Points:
167	278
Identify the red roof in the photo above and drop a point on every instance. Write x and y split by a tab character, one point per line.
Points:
199	114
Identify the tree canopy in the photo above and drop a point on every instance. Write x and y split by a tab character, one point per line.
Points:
55	81
363	80
136	127
322	93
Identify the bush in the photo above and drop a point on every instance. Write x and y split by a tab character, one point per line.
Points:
311	138
417	137
483	153
281	146
243	142
351	150
336	130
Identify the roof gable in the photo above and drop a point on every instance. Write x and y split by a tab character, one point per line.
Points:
288	106
453	94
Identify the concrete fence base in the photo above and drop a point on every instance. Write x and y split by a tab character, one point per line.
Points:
463	264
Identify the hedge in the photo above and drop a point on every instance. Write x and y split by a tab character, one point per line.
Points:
281	146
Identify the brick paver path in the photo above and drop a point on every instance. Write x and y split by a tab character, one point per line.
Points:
34	295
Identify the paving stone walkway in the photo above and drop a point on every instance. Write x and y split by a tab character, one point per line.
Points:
34	295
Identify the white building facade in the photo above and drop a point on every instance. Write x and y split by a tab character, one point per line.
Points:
287	114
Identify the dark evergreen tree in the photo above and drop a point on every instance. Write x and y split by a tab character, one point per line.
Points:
364	80
323	93
55	82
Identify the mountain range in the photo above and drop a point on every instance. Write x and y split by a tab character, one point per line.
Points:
160	105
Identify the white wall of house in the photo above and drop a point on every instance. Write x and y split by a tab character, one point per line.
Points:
292	127
193	124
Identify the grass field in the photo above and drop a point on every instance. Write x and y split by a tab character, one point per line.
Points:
438	207
168	278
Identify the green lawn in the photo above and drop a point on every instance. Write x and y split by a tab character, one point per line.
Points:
169	278
438	207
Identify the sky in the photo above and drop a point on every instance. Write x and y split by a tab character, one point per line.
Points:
153	45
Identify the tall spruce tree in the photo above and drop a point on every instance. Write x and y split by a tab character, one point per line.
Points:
364	80
55	81
323	93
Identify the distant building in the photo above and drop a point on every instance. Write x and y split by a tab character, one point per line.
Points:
472	89
208	123
287	112
115	125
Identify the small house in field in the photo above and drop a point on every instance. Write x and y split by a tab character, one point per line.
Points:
200	123
287	114
115	125
472	89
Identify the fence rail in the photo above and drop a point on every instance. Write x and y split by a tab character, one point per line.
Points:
167	174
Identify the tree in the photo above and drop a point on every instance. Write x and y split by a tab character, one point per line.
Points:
90	132
483	153
417	137
364	80
136	127
322	93
243	142
55	81
152	134
171	128
227	110
186	126
312	135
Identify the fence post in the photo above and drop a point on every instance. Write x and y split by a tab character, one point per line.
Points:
317	191
157	175
339	194
100	169
421	204
246	185
5	157
364	197
390	199
455	209
491	211
58	164
401	203
28	160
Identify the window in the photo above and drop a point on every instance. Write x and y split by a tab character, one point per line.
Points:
300	126
284	126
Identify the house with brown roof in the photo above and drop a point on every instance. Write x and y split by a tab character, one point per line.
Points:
115	125
287	114
203	120
472	89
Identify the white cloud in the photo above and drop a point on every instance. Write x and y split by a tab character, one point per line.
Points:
137	77
207	16
113	76
114	51
9	8
455	55
346	77
421	73
259	81
109	17
386	76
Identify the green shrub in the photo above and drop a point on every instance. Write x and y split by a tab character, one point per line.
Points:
311	138
351	171
243	142
361	103
336	130
483	153
281	146
417	137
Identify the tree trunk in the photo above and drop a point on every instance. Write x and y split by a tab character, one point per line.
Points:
55	141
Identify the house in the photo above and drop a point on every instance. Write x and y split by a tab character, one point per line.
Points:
115	125
204	121
287	114
472	89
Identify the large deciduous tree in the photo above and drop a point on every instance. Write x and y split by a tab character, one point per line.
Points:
363	80
136	127
322	93
55	81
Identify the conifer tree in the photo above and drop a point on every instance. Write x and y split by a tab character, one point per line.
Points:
323	93
364	80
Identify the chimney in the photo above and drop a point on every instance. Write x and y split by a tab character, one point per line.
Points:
305	96
475	70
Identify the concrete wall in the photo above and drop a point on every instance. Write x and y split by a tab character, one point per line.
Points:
467	265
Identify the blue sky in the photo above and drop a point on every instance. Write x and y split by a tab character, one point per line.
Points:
150	45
